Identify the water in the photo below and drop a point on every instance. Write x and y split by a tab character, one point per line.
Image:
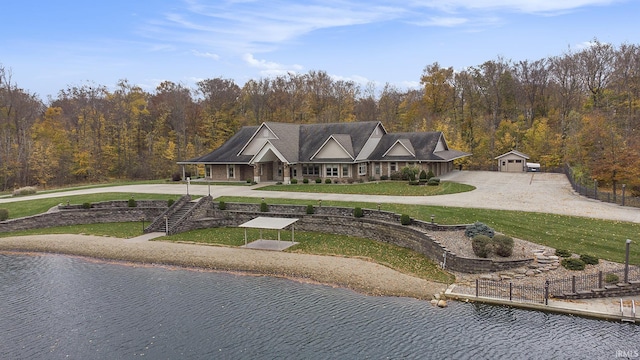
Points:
58	307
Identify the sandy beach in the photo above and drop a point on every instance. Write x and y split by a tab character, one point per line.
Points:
359	275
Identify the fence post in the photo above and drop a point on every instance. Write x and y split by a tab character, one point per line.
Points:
477	287
624	187
600	279
546	292
510	291
573	284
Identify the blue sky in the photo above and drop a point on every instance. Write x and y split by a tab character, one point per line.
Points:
50	45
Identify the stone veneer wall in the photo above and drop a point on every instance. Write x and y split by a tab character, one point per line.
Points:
617	290
77	216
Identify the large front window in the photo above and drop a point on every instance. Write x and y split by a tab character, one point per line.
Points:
310	170
331	170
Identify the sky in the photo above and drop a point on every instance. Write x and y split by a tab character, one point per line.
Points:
51	45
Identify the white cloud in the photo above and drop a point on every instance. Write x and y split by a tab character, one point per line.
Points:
205	55
526	6
269	68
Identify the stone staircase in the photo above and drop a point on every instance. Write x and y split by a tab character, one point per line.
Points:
175	218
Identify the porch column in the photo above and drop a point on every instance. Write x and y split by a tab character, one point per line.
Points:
285	173
256	172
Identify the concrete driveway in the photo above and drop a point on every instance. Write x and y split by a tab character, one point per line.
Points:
534	192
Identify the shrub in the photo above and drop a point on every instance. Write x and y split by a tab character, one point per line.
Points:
318	181
176	176
384	177
27	190
132	203
357	212
336	181
405	219
423	175
481	245
611	278
409	173
294	181
249	180
573	264
264	207
479	228
414	182
350	181
4	214
86	205
563	253
222	205
170	202
396	175
433	181
503	245
430	174
310	209
305	181
588	259
327	181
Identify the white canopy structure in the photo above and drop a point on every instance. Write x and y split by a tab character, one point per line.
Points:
270	223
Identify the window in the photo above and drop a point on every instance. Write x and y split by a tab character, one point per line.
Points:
362	169
294	172
207	170
393	167
331	170
345	170
377	168
231	171
311	170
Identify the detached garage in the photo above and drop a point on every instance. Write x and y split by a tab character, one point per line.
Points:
513	161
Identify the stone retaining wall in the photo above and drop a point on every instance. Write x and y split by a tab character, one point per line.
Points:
81	216
617	290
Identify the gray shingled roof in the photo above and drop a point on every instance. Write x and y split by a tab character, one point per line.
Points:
228	152
298	142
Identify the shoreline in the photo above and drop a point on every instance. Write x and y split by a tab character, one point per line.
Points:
356	274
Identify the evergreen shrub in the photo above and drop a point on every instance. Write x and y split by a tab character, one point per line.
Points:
481	245
264	207
478	228
572	264
132	202
222	205
310	209
170	202
589	259
357	212
611	278
86	205
405	219
4	214
563	253
294	181
503	245
305	181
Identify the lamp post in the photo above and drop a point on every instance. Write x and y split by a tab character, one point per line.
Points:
626	263
433	217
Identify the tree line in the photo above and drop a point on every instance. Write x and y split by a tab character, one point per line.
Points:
580	107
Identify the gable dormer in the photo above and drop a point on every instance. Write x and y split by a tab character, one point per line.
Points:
258	140
441	145
402	147
337	146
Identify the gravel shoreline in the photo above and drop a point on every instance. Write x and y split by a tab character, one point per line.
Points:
356	274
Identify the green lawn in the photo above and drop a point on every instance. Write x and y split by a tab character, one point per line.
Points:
19	209
395	257
393	188
602	238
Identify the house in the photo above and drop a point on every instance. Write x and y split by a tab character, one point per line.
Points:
341	151
512	161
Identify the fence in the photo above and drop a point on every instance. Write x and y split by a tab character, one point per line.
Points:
621	198
554	287
510	291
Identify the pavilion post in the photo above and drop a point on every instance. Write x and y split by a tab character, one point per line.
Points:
245	236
